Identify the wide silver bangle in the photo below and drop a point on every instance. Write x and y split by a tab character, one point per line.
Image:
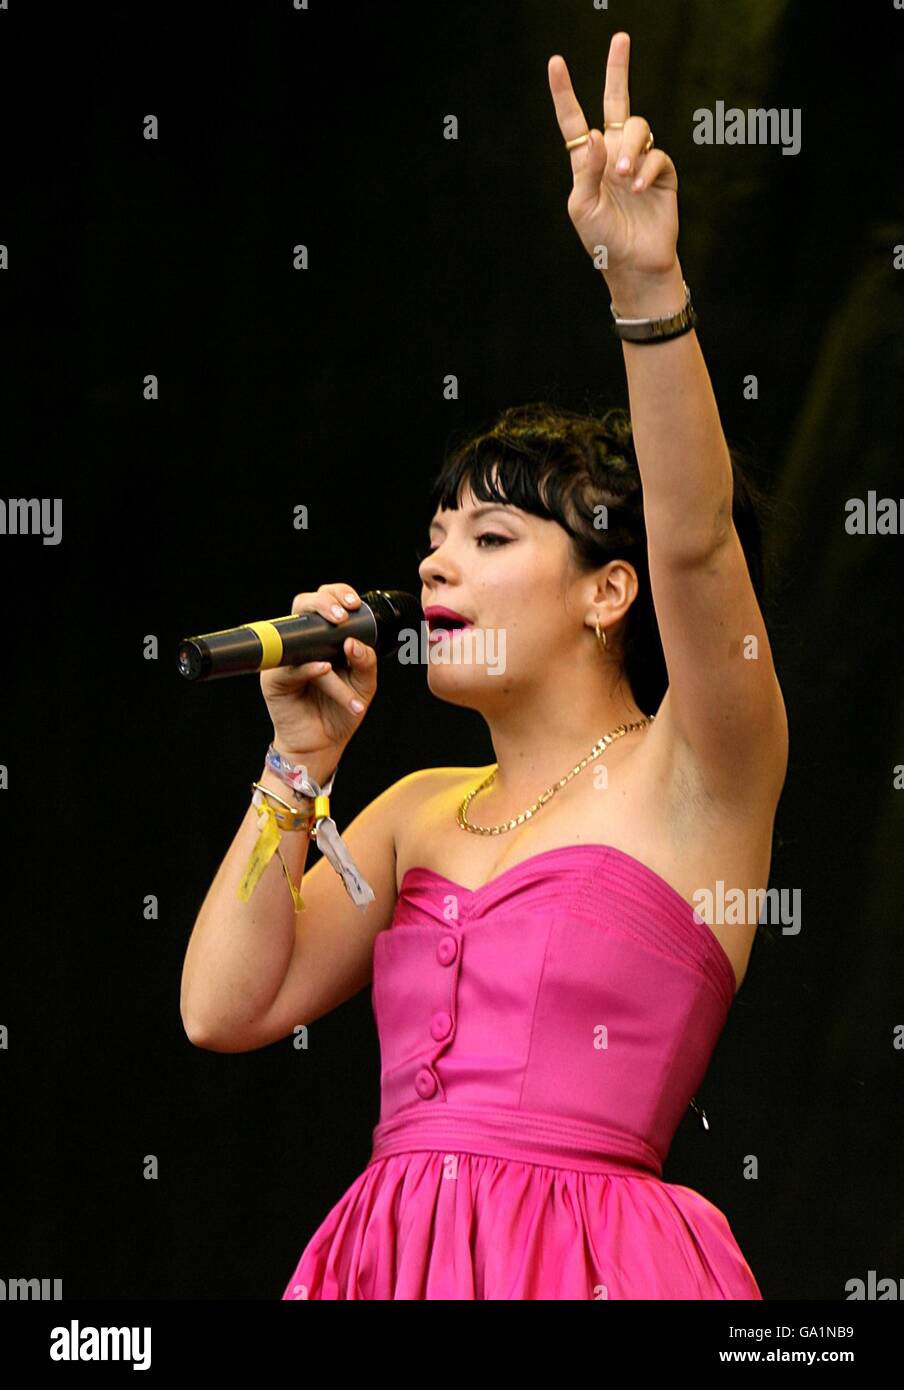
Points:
656	330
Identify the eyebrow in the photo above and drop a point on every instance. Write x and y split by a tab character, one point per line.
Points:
477	512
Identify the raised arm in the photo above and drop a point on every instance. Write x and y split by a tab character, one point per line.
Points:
724	703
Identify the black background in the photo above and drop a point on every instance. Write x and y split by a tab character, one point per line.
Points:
324	387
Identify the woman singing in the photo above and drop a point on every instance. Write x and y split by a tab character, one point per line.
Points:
547	987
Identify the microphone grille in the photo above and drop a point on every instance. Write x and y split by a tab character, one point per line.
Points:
396	613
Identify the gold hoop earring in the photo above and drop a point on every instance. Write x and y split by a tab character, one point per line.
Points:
603	640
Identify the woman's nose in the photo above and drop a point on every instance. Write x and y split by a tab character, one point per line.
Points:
435	565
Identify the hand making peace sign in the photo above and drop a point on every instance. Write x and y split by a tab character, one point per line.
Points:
639	228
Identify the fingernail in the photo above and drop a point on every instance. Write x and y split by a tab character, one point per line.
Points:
337	611
623	164
638	182
356	648
356	706
349	598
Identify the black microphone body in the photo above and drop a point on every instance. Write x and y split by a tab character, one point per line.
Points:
378	621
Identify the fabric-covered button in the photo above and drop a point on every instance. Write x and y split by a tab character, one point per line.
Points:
441	1025
425	1083
447	950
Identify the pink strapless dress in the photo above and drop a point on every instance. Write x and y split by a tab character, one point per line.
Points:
541	1038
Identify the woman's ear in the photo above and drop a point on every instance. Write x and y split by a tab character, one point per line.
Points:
616	588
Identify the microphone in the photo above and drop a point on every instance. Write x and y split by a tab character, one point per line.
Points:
299	637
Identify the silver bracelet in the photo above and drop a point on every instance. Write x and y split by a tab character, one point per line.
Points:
656	330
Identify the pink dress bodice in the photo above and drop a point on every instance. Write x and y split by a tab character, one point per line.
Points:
577	986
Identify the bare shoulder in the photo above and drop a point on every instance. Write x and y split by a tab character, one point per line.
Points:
412	791
420	807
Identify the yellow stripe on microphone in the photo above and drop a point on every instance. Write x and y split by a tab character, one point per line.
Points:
271	642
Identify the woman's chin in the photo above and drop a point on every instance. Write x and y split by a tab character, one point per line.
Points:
455	677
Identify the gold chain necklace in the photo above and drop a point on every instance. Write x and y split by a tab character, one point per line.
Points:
595	751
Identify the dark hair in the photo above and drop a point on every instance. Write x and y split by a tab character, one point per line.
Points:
557	464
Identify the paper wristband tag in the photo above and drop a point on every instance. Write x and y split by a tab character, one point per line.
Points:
296	895
264	848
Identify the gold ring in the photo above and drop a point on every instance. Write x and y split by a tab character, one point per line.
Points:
650	143
613	125
578	140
